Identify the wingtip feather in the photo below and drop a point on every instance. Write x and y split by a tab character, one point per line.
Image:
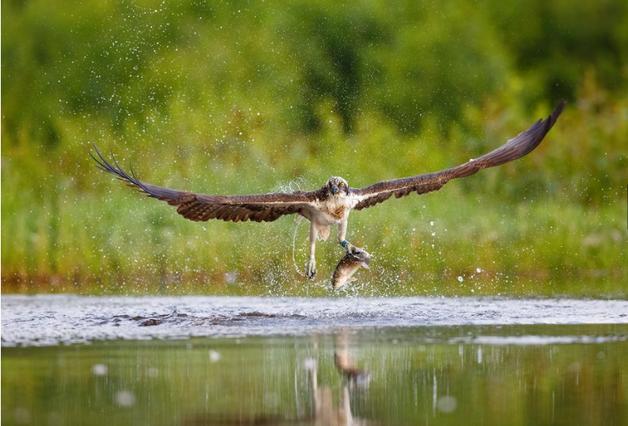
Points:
557	111
115	169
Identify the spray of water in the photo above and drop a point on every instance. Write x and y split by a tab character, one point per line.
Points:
297	223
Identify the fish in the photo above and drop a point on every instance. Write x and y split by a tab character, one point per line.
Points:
348	265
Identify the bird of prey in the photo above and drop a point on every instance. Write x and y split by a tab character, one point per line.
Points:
331	204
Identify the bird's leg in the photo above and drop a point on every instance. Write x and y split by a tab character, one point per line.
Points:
310	270
342	234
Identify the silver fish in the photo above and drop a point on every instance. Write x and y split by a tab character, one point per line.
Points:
348	265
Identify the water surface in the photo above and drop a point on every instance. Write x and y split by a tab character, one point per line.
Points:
49	319
225	361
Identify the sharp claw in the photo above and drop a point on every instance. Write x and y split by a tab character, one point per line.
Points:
347	245
310	271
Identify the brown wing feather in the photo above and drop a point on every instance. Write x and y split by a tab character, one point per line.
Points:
515	148
200	207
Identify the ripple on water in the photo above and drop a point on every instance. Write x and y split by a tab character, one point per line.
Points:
64	319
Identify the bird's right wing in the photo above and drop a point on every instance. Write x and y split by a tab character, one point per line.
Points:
513	149
234	208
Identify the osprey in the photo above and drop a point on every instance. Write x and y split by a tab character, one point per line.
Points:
331	204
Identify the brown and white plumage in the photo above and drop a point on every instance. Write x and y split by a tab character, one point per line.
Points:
234	208
331	204
515	148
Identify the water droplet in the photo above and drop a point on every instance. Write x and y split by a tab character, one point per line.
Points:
125	398
214	356
309	363
446	404
99	370
231	277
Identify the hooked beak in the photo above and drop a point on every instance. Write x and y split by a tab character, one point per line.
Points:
334	189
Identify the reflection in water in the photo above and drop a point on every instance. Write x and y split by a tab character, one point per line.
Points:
324	412
347	366
438	376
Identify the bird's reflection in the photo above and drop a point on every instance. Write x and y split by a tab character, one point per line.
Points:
325	412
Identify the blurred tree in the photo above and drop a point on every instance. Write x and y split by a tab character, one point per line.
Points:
438	57
327	41
555	43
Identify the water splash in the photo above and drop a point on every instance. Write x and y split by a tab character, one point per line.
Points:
50	320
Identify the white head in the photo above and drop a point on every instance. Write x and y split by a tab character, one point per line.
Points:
337	185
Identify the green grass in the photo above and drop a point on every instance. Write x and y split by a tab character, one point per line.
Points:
117	241
73	228
253	98
527	229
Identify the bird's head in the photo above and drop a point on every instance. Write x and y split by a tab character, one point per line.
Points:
336	186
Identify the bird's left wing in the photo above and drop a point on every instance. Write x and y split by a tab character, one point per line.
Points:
234	208
513	149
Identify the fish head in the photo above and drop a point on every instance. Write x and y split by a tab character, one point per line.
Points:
360	256
353	260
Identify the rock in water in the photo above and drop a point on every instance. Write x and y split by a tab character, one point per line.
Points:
348	265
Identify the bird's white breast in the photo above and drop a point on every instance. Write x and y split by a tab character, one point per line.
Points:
334	209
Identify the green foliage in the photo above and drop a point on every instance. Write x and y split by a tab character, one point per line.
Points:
239	97
555	43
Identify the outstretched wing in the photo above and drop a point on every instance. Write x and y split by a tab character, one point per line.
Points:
235	208
515	148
